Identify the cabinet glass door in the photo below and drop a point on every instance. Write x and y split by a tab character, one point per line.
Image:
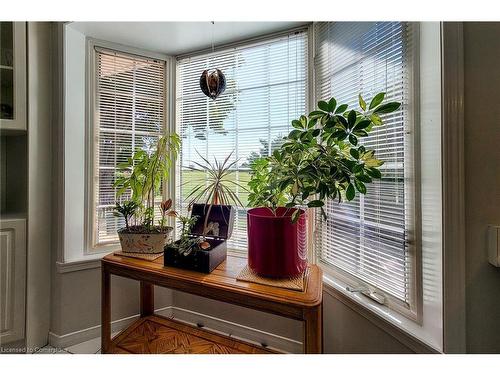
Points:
7	70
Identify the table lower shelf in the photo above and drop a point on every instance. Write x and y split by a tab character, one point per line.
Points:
159	335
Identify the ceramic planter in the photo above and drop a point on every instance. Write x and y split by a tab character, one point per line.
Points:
146	243
277	248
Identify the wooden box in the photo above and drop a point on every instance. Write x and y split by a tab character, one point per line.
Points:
221	219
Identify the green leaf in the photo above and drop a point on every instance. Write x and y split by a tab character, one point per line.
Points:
371	163
323	106
294	134
303	121
316	132
351	119
296	124
340	135
360	133
342	121
360	186
350	193
323	213
341	108
316	203
331	105
363	124
364	178
388	107
316	114
376	120
311	123
377	99
295	216
277	155
354	153
374	172
362	103
353	140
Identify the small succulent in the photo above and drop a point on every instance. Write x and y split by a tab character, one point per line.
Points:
126	209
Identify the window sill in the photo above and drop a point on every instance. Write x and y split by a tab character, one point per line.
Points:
408	332
86	262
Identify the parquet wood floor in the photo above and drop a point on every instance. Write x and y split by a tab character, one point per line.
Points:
159	335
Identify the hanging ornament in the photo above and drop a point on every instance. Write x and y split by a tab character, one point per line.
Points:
212	81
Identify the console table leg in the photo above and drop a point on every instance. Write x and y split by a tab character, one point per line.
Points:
313	330
147	299
105	311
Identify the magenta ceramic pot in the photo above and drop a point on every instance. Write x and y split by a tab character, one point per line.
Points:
277	248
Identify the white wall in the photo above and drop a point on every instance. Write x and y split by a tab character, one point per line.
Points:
74	145
482	182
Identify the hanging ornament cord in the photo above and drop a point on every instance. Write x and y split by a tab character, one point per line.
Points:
213	27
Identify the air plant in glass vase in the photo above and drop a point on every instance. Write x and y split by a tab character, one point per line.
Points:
140	180
321	158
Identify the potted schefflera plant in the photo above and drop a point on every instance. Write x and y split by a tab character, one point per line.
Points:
140	179
321	158
202	244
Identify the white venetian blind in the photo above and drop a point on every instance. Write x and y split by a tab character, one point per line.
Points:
129	114
368	237
266	90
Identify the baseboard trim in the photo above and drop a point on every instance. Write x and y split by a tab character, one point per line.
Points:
237	331
77	337
220	326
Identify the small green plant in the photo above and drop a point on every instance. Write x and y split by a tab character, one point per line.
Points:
217	188
166	211
186	243
142	176
127	209
321	158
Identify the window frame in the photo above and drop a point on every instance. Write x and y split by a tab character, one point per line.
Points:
91	44
307	29
414	309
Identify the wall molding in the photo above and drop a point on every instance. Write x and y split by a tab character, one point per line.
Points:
452	80
208	322
79	265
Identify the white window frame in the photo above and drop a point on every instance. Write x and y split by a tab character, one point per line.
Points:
90	247
414	309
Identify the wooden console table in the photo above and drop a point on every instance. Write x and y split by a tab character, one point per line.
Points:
219	285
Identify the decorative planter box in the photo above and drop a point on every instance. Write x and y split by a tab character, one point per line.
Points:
221	218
